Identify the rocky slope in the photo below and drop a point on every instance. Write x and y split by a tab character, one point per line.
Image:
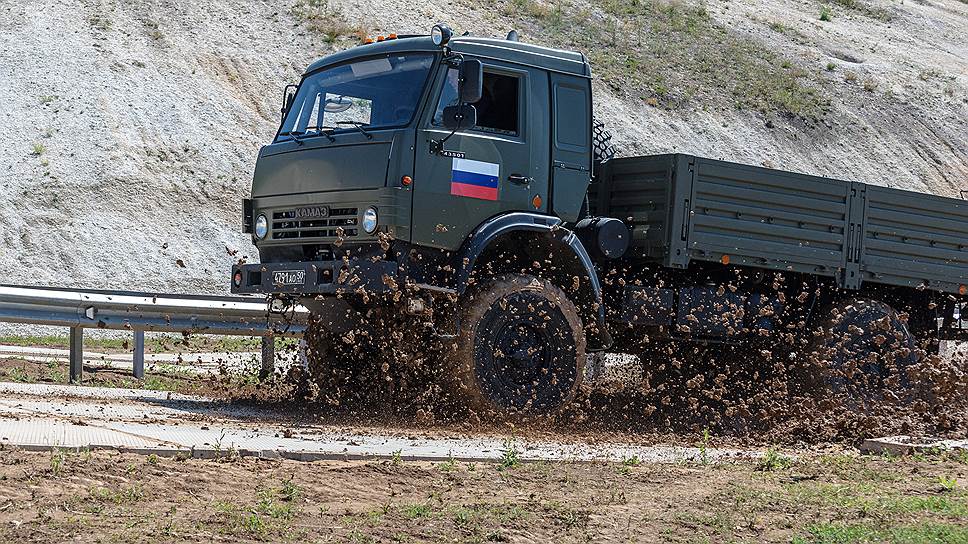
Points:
130	127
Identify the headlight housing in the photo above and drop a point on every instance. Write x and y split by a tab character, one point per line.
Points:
261	226
370	220
440	34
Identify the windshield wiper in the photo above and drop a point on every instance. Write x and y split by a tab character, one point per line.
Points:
359	126
322	130
299	135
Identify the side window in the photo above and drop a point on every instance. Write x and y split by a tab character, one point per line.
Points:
498	110
571	118
448	96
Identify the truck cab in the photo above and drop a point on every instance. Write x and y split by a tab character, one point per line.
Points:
364	164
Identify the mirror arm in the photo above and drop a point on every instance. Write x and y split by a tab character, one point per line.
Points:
436	146
453	60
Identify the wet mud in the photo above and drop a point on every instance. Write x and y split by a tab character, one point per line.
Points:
676	393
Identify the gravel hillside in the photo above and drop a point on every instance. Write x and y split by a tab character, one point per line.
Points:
130	127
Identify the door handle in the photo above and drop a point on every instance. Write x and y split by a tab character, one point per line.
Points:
518	179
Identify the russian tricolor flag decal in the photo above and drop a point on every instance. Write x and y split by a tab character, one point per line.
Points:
475	179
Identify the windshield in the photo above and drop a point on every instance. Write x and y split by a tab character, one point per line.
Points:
375	92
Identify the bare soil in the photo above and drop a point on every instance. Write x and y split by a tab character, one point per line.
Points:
835	497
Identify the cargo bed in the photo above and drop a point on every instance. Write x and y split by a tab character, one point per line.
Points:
683	208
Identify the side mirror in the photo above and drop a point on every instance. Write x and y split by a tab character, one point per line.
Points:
289	98
472	81
460	117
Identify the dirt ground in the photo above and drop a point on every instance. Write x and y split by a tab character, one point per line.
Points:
834	497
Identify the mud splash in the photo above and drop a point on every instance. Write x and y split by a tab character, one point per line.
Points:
674	394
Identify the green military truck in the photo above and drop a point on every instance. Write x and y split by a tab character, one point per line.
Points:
460	191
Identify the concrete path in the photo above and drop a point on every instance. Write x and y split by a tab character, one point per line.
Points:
906	445
43	417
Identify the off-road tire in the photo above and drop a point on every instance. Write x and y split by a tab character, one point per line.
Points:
542	375
602	148
861	354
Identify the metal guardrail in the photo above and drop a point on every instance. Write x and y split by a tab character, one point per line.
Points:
140	312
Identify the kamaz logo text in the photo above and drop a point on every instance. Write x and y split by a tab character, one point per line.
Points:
310	212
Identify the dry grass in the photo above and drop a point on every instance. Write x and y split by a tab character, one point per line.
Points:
866	9
326	19
674	55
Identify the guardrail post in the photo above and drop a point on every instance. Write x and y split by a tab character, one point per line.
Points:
268	357
77	354
138	358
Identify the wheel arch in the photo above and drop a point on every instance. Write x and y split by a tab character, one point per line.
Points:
511	243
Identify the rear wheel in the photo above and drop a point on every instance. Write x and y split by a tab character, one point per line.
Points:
862	353
520	351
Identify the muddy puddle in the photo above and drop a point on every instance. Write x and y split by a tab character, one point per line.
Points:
740	397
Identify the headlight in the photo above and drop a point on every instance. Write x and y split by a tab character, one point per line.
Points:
440	35
370	220
261	227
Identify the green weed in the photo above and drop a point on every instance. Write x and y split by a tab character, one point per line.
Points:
509	455
449	465
844	533
414	511
773	460
703	446
19	375
57	459
948	483
289	491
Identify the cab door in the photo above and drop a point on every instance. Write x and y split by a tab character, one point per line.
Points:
498	166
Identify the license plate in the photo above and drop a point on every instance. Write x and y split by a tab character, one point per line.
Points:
289	277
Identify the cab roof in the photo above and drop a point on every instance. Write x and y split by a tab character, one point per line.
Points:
555	60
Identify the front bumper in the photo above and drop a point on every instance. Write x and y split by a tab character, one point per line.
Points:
316	277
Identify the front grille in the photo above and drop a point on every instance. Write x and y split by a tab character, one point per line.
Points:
340	223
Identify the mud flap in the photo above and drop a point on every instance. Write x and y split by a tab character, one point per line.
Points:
334	314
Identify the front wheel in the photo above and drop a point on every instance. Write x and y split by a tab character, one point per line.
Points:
521	348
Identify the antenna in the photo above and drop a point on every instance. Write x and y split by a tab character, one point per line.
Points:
512	36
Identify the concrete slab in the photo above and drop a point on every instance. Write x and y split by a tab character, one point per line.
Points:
207	442
906	445
165	424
